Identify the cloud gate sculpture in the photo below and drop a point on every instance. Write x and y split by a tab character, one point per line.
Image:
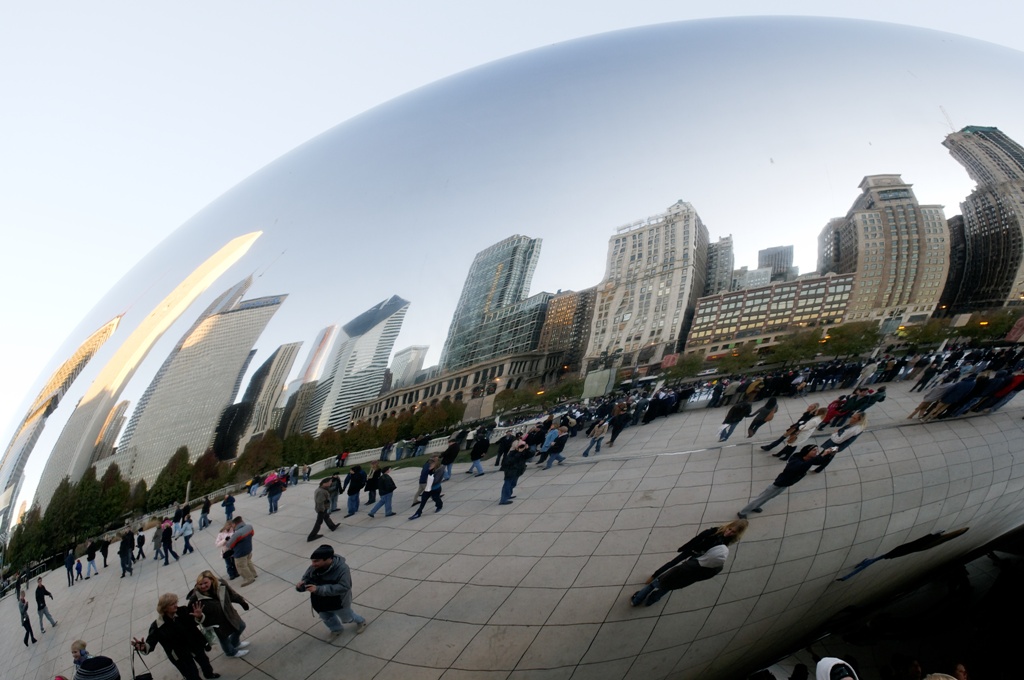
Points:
766	126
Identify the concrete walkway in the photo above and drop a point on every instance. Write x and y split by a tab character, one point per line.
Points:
539	589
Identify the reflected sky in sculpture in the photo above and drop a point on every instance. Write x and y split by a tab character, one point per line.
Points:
765	125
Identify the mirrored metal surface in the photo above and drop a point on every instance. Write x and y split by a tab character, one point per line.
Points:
766	126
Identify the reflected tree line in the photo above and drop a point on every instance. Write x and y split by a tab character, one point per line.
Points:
94	506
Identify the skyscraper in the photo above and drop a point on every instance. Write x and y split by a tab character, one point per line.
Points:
356	369
72	454
199	382
721	262
654	276
265	389
993	224
499	276
779	259
12	466
898	249
567	326
406	364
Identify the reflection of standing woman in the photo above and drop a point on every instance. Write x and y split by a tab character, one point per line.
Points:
26	620
216	601
181	638
222	541
763	415
693	568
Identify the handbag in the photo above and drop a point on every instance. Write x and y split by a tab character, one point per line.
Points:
141	676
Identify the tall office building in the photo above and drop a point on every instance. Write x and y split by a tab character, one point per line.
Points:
111	429
406	364
12	466
567	326
200	381
721	262
743	278
356	369
499	276
993	218
898	249
779	259
72	454
265	389
653	278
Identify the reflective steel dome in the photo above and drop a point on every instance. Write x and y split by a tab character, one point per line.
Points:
765	125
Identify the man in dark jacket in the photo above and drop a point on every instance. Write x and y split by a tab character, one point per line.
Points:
795	470
449	456
386	487
513	466
734	417
504	446
41	594
355	481
328	581
125	552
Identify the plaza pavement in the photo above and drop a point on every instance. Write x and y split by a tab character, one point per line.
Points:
538	589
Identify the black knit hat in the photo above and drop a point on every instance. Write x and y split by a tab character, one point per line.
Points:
324	552
97	668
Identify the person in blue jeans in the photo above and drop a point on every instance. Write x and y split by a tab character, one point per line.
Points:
734	417
555	450
596	435
274	491
328	581
229	506
355	482
386	487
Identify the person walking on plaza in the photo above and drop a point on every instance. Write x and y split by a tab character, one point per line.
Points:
69	565
796	469
386	487
431	488
328	581
733	417
274	490
448	457
125	551
229	506
700	559
596	435
480	445
841	439
216	601
762	416
26	620
104	550
78	570
800	436
186	534
140	542
810	412
167	541
504	446
322	506
41	594
90	560
335	491
223	541
158	552
555	450
355	482
181	638
241	545
204	514
513	468
373	482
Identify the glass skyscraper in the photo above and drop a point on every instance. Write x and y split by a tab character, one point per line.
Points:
499	276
